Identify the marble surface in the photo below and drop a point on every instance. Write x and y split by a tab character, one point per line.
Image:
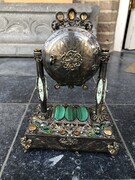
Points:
125	118
121	84
10	116
50	165
58	165
67	95
16	89
17	67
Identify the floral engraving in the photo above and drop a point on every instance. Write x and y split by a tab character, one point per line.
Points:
22	25
68	141
71	60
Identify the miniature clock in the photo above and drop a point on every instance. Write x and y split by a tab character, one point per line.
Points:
71	56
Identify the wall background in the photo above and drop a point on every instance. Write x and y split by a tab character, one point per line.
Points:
25	27
25	23
107	20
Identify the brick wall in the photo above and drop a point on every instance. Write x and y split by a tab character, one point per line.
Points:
106	22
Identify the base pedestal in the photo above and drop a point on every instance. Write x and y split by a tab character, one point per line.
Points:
95	134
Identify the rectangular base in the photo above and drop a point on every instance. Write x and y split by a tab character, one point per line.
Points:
95	134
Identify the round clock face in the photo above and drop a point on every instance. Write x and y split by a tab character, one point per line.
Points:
69	56
99	91
41	89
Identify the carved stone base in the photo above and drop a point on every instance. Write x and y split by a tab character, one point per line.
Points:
95	134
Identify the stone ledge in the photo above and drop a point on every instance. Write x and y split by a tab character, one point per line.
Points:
44	7
18	50
23	27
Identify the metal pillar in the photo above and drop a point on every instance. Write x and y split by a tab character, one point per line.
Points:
102	82
41	81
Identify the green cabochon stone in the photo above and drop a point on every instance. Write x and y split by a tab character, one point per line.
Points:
70	113
82	113
59	112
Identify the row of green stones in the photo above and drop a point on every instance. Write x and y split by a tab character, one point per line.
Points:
71	113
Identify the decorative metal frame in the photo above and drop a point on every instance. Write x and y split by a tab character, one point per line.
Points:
26	143
76	22
44	130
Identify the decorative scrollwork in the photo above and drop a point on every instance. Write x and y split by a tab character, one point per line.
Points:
72	20
26	143
113	148
68	141
77	23
21	25
71	60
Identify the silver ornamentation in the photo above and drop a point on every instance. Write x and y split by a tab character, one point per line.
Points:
71	60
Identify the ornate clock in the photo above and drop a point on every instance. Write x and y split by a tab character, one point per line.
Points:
71	56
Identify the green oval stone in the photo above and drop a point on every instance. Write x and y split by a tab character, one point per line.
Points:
82	113
59	112
70	113
46	130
